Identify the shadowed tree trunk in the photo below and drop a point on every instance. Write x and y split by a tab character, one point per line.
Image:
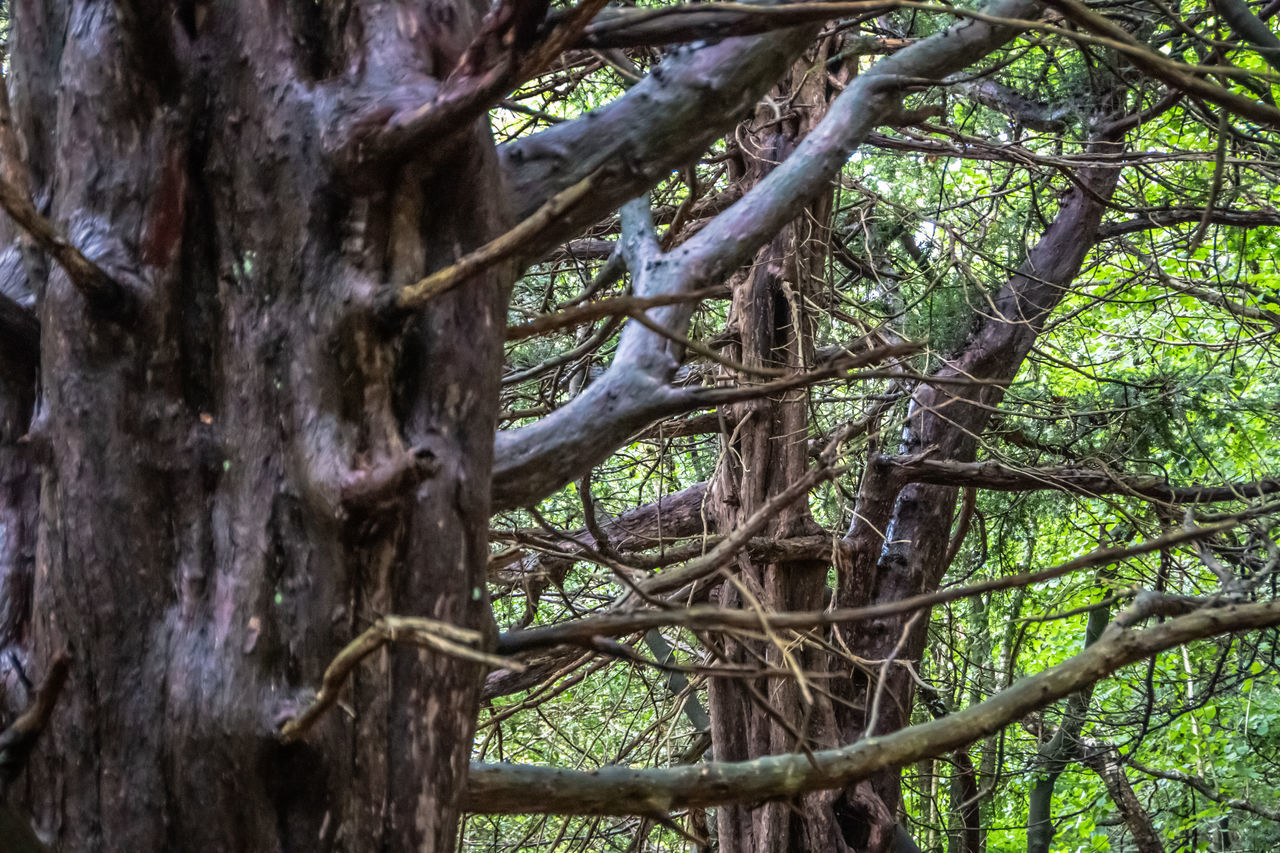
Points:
899	539
252	439
767	451
213	434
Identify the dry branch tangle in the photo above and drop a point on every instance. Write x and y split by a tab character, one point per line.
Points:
505	788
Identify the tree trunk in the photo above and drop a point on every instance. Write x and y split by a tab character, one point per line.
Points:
766	452
231	450
1061	750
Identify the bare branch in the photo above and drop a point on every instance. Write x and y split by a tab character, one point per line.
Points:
1173	73
506	788
618	306
1051	118
1208	791
1083	481
1104	760
1157	218
17	741
1248	26
582	631
98	287
497	250
670	117
637	27
431	634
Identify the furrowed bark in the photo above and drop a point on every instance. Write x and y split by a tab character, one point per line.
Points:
191	549
1104	759
763	457
19	341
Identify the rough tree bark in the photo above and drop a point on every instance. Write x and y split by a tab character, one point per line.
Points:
238	445
245	452
206	540
766	451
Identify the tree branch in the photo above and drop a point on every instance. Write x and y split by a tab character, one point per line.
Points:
100	289
1149	220
1168	71
501	248
1104	759
1083	481
1049	118
1250	28
583	631
639	27
509	788
1208	791
17	741
617	306
416	120
432	634
533	461
686	103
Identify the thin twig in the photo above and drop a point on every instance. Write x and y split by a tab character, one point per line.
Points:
497	250
17	741
419	631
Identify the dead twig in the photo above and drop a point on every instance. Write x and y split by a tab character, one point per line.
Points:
419	631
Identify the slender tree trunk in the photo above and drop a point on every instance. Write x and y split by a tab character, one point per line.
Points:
1104	759
201	553
1062	749
766	452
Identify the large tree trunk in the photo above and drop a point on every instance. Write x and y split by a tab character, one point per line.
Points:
206	442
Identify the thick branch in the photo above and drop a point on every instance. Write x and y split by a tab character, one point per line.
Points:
1165	217
1250	28
1049	118
638	27
509	788
416	121
686	103
17	741
533	461
1083	481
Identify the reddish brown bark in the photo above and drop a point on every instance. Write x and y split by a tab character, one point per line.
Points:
766	451
193	552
